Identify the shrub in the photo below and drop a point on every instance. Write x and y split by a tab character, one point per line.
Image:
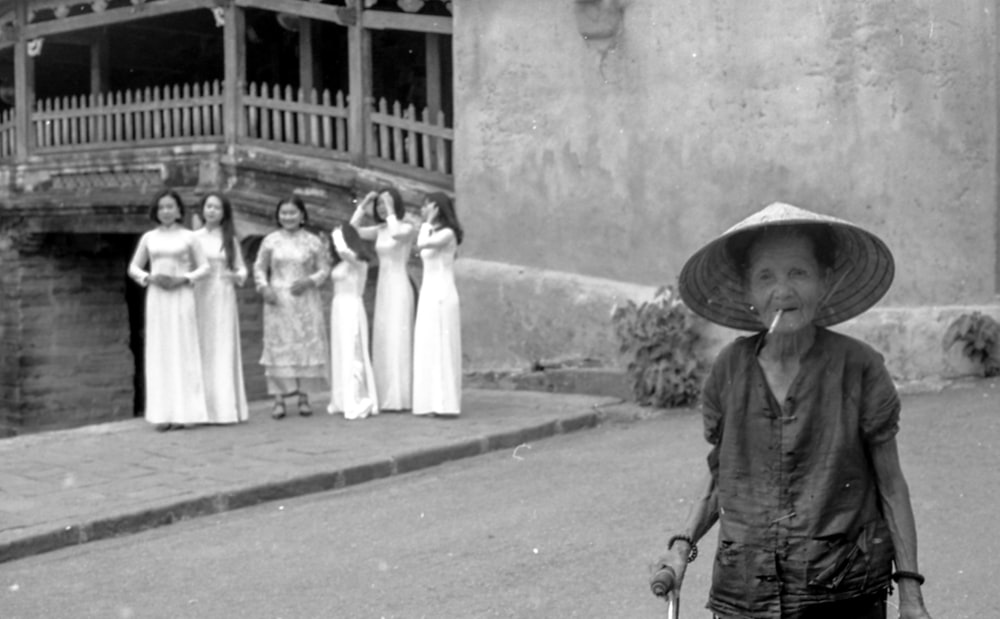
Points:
658	339
980	335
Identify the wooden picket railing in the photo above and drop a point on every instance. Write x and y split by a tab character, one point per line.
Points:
169	114
400	136
316	123
291	117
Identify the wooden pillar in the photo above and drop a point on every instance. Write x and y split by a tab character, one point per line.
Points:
100	66
234	72
359	45
307	70
24	85
434	76
434	73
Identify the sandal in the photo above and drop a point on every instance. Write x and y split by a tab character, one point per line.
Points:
279	409
304	409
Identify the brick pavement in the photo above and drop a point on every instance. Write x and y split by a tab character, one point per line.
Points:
69	487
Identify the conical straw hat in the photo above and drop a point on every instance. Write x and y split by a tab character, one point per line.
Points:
711	284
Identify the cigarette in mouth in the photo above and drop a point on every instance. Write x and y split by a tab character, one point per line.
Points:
774	323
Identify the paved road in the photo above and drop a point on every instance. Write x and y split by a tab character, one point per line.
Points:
76	486
563	527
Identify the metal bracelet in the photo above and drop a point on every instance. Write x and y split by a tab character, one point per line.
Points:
693	548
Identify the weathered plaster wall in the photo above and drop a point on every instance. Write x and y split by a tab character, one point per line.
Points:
515	318
10	335
620	162
74	362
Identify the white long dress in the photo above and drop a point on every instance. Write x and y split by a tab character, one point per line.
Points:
219	331
392	328
352	389
174	382
437	334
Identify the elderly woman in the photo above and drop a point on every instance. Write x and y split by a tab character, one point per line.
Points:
803	470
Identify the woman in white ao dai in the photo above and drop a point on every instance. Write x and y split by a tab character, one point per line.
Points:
352	389
437	337
392	328
218	320
175	394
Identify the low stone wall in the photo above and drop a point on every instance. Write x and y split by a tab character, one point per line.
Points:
64	332
518	318
517	321
911	340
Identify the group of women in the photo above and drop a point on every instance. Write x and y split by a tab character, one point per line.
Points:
192	344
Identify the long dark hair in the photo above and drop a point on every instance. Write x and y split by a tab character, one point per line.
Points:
353	241
154	208
397	204
446	216
227	227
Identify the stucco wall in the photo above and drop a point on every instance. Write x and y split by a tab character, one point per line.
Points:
67	306
619	163
517	318
10	335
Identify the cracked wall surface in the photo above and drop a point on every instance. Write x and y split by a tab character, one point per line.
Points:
620	165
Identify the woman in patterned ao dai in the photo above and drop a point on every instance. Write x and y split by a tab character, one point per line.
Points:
352	391
437	334
291	265
175	395
218	320
392	329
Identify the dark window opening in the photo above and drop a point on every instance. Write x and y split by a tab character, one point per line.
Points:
400	70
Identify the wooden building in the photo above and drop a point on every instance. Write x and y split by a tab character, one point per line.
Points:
592	145
104	102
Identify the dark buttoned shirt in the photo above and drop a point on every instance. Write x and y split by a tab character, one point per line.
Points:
800	520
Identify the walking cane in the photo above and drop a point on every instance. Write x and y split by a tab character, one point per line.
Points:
663	585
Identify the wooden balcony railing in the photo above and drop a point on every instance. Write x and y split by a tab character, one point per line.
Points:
151	116
286	116
316	123
402	137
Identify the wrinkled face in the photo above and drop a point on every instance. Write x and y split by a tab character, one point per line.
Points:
212	211
167	211
289	216
783	274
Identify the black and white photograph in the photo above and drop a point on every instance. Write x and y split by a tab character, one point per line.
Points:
526	309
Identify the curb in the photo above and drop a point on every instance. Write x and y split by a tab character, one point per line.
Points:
218	502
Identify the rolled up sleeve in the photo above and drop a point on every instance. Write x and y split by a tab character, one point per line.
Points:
880	405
